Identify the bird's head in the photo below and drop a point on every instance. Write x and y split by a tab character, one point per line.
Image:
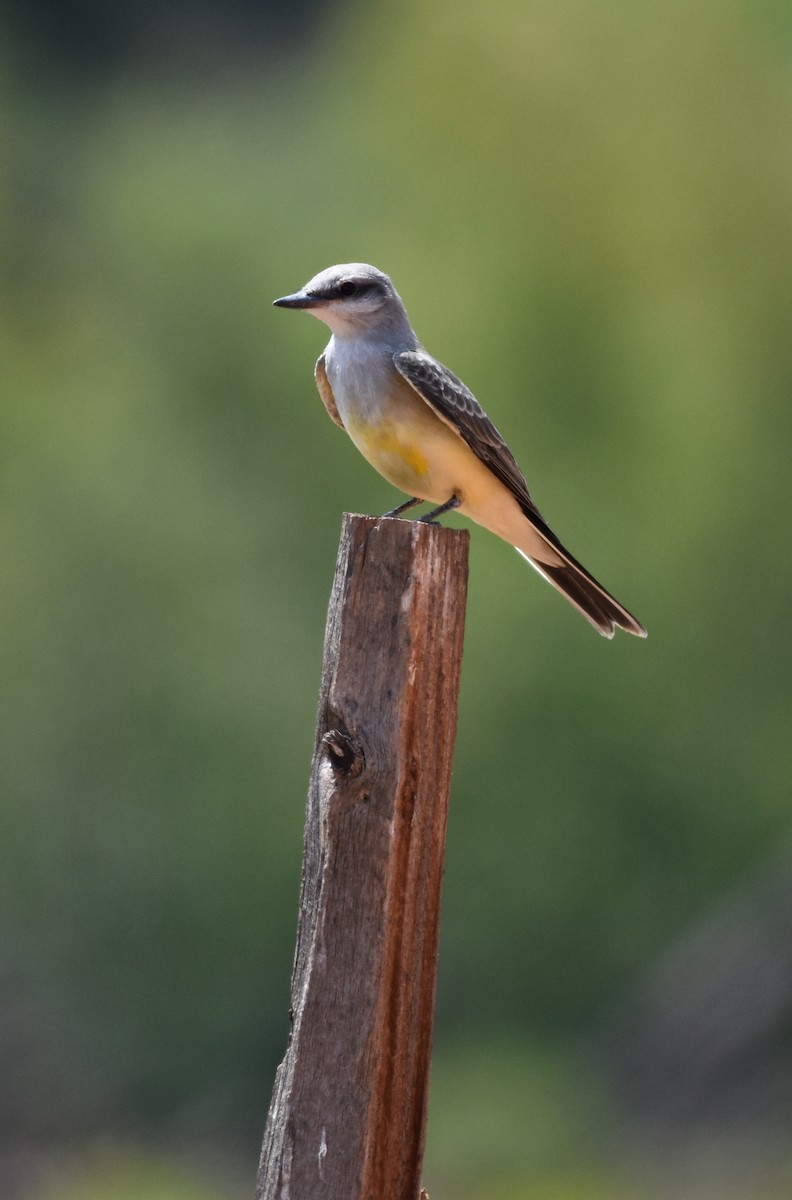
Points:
350	298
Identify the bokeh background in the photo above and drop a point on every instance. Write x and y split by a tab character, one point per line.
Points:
588	210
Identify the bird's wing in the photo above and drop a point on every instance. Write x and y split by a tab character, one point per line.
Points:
460	409
325	391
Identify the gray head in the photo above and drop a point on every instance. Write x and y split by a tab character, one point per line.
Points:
351	298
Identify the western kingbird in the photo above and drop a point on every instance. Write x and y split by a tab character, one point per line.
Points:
421	428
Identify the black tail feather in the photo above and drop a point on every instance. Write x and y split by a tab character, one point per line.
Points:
590	598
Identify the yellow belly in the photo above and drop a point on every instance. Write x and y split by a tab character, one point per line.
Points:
396	452
421	455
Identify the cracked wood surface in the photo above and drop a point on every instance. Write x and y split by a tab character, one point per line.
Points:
348	1112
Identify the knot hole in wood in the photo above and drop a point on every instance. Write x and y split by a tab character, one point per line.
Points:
345	753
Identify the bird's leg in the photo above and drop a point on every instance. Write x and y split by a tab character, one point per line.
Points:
429	518
400	508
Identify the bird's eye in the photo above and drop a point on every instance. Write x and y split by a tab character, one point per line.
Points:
347	288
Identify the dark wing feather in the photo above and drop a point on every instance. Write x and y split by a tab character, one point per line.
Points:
325	391
458	407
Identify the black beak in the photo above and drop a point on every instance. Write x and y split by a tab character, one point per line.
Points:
298	300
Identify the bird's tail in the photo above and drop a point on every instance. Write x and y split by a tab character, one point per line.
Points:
545	553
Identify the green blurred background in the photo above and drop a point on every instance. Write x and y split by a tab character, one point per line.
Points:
588	211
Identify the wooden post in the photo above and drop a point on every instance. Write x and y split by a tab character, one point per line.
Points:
348	1111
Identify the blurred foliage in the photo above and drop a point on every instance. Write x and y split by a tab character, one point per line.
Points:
587	210
498	1105
115	1174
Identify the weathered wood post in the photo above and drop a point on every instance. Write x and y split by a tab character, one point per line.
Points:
348	1111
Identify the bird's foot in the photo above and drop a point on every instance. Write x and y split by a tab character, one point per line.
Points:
400	508
430	517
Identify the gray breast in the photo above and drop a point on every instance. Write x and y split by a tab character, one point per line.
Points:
361	376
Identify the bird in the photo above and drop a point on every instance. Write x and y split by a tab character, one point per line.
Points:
425	432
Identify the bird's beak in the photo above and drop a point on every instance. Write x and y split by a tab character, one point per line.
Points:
298	300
